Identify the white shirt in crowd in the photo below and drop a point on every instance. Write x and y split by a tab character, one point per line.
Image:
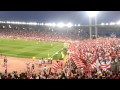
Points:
45	68
37	77
40	61
46	60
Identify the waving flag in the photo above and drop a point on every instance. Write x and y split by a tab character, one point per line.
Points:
56	65
105	66
78	62
93	65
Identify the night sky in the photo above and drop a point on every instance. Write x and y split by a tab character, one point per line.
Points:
74	17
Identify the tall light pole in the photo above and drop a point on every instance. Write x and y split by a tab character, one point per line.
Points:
90	28
96	33
92	14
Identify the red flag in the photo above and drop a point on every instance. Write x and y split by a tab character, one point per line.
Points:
78	62
93	65
56	65
105	66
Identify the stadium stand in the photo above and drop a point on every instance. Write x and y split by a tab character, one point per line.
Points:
88	59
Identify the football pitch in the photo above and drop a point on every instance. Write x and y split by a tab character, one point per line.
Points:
30	48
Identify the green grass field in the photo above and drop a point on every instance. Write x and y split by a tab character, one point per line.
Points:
29	49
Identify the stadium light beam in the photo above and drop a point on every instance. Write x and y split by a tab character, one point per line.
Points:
92	14
42	24
118	23
106	24
112	23
53	24
78	24
102	24
75	25
69	25
60	25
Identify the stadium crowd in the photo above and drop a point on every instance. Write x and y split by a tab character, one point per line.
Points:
65	73
88	59
37	35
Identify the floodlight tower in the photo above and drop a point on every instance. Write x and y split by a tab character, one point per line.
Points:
96	31
92	14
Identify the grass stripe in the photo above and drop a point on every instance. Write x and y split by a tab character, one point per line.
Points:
28	49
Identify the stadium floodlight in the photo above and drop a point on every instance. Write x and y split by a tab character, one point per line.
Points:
30	23
27	23
24	23
102	24
75	25
16	22
34	23
118	23
60	25
21	22
53	24
3	21
69	25
106	24
7	22
42	24
12	22
78	24
112	23
48	24
92	13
